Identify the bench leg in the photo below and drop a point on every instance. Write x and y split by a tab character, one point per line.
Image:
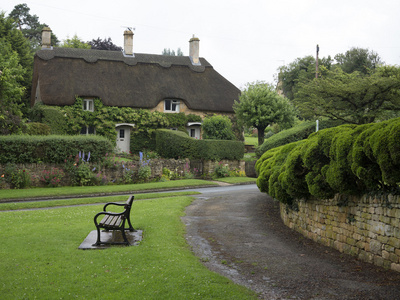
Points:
124	236
130	225
98	242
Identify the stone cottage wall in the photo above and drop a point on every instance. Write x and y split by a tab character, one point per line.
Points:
365	227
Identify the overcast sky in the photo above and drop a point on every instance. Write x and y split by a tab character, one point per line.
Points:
245	41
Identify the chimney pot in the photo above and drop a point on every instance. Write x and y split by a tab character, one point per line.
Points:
46	38
194	50
128	42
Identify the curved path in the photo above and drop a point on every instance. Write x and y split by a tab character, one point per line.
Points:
237	232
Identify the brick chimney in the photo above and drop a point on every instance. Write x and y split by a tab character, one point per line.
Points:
46	38
194	50
128	42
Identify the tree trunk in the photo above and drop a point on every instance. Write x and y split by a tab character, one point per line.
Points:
261	132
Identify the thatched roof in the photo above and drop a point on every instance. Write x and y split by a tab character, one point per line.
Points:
141	81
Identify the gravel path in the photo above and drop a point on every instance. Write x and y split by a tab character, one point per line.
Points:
241	236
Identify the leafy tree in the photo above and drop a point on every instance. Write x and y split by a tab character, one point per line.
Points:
352	98
260	106
300	70
30	26
11	89
358	59
75	42
170	52
105	44
16	62
217	127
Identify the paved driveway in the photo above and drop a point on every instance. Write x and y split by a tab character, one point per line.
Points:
237	232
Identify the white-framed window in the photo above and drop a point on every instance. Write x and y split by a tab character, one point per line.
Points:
88	130
171	105
88	104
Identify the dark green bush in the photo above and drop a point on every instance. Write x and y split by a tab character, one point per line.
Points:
294	134
143	141
51	149
175	144
36	128
347	159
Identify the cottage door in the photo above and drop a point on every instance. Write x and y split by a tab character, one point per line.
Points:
123	138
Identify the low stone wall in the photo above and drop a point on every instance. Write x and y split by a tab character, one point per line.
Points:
114	173
365	227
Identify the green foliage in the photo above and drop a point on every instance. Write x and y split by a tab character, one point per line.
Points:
16	65
218	127
75	42
10	123
178	120
358	59
347	159
193	118
53	177
351	98
70	119
260	106
52	149
18	178
299	132
35	128
169	52
175	144
30	26
143	141
221	170
299	71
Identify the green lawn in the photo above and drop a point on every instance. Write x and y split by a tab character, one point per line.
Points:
249	140
40	259
237	179
80	201
108	189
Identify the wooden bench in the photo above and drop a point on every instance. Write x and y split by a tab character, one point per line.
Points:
114	221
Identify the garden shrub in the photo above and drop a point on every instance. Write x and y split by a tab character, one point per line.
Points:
218	127
36	128
51	149
143	141
297	133
347	159
221	170
53	177
175	144
18	178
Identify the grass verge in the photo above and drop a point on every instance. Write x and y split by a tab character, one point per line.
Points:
93	200
41	259
87	190
236	180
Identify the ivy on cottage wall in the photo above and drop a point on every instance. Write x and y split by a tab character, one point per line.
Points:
72	118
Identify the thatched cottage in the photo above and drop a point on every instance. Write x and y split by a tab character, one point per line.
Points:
169	84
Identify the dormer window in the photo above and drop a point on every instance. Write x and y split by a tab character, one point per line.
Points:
88	105
171	105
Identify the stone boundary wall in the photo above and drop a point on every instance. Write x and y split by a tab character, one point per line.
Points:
365	227
200	169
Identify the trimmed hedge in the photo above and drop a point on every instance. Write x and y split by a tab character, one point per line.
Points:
52	148
348	159
293	134
175	144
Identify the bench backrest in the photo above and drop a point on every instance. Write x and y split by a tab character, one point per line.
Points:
128	205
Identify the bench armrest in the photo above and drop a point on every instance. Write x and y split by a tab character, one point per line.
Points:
113	203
